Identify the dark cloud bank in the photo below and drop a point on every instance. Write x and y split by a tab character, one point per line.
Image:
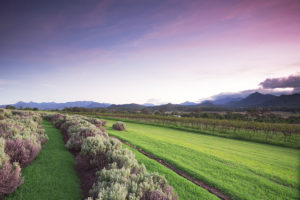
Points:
293	81
268	86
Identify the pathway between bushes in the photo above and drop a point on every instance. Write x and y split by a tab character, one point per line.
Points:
51	175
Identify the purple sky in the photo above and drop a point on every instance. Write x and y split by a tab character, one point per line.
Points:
144	51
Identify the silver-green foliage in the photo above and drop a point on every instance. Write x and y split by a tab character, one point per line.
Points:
21	136
119	175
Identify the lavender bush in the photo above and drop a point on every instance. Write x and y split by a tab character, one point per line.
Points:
10	174
118	174
119	126
21	137
21	151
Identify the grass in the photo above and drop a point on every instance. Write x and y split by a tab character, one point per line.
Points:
278	139
241	169
51	174
184	188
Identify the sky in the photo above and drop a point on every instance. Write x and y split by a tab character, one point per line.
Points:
154	51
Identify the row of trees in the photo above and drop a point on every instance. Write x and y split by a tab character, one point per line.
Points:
253	114
10	107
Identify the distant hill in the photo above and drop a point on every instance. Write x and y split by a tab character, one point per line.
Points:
254	99
53	105
131	106
284	101
169	107
98	105
226	100
148	104
267	100
188	103
207	104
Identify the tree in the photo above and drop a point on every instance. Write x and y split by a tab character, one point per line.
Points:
10	107
146	111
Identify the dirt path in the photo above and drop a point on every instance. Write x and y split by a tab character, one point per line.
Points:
180	173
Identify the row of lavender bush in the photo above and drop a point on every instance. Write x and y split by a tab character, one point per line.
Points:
116	173
21	137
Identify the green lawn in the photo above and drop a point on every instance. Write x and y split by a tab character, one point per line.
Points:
51	175
243	170
185	189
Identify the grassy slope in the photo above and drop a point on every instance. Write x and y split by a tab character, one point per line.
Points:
184	188
51	175
244	170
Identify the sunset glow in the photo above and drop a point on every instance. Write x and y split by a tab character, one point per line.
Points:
144	51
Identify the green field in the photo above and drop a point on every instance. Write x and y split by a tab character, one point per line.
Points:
281	134
184	188
51	175
240	169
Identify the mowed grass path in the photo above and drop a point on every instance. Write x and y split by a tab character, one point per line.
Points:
185	189
51	175
243	170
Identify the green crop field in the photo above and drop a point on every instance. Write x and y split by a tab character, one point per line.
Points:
240	169
184	188
51	175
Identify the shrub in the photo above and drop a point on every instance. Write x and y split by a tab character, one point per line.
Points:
123	158
57	120
9	173
8	128
143	186
94	151
116	174
3	156
10	177
120	171
76	139
111	184
119	126
2	116
97	122
68	123
21	151
75	128
42	136
20	141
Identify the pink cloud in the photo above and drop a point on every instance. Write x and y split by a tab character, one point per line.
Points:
245	22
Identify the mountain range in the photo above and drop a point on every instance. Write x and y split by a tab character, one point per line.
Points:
54	105
267	100
253	100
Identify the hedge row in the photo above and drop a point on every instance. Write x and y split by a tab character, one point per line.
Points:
117	174
21	137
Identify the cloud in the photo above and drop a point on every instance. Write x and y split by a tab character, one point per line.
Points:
275	86
293	81
156	101
226	97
